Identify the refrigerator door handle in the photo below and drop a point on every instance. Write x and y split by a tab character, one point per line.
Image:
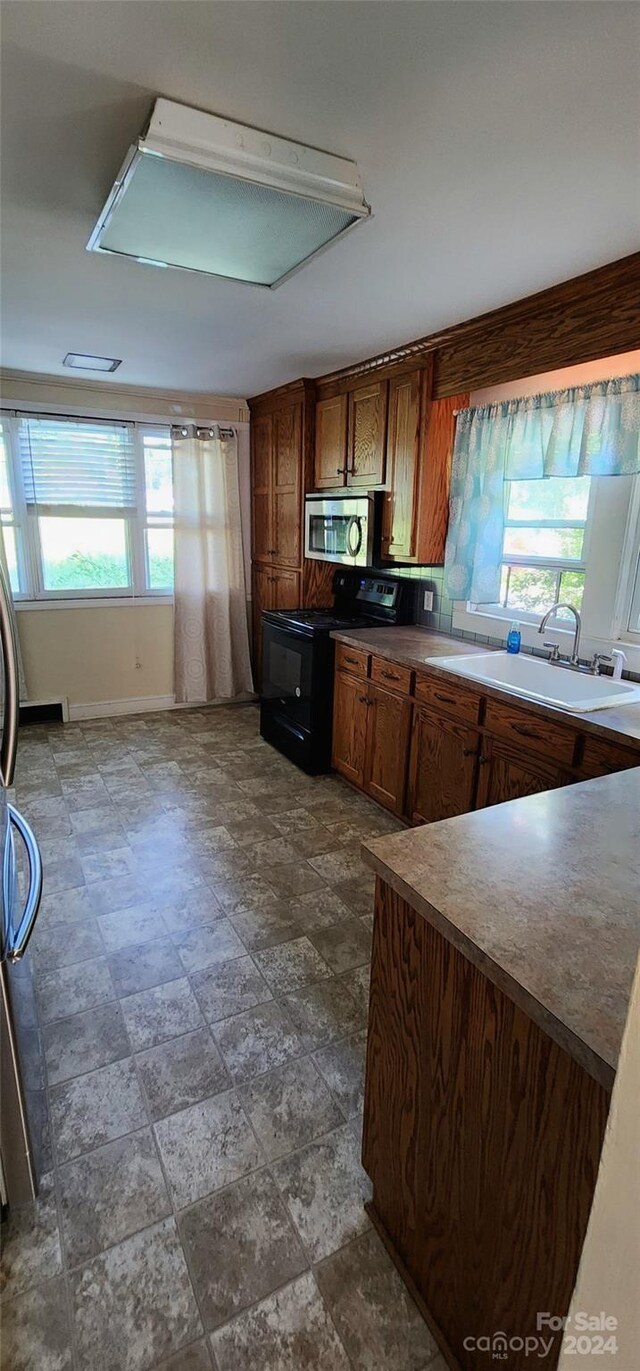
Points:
11	688
20	938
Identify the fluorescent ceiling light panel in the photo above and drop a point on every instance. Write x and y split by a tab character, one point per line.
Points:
84	361
206	194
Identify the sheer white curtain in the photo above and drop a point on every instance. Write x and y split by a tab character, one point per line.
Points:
212	659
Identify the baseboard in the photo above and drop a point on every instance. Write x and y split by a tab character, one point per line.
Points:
102	709
144	704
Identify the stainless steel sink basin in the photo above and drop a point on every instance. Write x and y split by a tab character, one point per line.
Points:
534	679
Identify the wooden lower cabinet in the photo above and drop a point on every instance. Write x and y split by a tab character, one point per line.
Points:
442	768
371	738
482	1139
350	709
387	747
507	773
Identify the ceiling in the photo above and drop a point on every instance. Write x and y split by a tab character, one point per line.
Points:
497	144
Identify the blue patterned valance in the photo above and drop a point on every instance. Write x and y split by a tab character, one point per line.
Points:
589	430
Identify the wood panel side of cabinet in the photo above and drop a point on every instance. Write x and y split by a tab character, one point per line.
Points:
262	597
400	507
330	464
262	488
436	452
367	435
350	711
387	747
317	583
287	486
482	1139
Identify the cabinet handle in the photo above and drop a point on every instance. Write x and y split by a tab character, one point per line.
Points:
389	676
363	700
483	760
272	551
471	752
446	699
353	661
525	732
341	471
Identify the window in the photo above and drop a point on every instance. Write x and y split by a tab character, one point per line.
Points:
9	532
92	513
544	543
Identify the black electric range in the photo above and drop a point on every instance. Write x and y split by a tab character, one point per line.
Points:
296	704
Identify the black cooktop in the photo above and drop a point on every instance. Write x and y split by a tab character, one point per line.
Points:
314	620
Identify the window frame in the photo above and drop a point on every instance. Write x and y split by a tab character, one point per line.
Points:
26	517
611	554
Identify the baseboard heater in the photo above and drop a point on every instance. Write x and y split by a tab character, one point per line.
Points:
42	712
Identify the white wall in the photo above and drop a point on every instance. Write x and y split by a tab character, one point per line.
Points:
104	655
610	1262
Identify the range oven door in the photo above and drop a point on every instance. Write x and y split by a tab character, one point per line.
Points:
295	707
340	529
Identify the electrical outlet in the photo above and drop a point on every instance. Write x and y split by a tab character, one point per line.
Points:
138	664
428	599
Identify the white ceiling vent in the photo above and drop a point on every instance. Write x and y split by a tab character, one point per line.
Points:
203	193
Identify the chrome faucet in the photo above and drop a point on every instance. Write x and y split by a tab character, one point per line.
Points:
555	651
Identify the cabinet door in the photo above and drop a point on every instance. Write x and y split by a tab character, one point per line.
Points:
261	486
400	511
331	443
442	767
388	728
349	727
286	589
367	435
436	449
287	475
262	598
506	773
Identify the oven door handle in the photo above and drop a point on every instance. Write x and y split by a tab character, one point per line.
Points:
18	945
354	522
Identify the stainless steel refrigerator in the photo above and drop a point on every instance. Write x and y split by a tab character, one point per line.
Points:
24	1134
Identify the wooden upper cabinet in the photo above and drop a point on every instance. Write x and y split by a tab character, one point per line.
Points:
261	487
350	711
287	487
388	729
436	451
367	435
400	510
330	467
442	767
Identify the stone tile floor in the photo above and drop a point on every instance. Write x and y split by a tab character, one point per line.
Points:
201	959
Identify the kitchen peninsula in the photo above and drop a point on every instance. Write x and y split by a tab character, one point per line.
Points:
504	947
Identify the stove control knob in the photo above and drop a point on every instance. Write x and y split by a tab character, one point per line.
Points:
298	692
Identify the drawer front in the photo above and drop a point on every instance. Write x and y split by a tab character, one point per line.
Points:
449	697
532	732
602	757
390	675
351	659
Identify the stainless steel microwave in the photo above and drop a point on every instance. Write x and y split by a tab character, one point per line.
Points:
340	528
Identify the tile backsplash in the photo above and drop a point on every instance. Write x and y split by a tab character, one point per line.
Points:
421	578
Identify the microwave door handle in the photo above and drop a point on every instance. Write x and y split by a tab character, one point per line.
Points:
20	938
11	693
354	522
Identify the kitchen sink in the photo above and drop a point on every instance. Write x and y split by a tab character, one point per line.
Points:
535	679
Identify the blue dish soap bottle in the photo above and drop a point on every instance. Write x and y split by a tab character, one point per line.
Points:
514	637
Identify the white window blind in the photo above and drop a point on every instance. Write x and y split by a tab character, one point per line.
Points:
78	463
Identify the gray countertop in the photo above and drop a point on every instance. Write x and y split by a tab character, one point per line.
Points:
413	646
543	895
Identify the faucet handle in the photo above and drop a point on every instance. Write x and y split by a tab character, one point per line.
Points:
554	651
597	660
619	659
